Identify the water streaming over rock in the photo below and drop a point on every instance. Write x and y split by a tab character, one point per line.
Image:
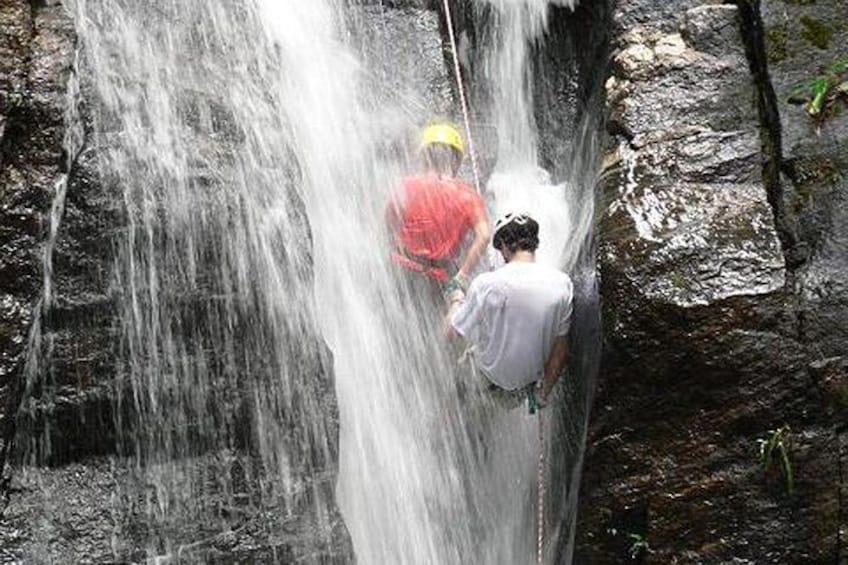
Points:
254	146
36	372
564	207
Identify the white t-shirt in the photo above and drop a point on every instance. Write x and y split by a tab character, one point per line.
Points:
512	316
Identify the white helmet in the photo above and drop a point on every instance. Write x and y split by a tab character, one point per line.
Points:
514	226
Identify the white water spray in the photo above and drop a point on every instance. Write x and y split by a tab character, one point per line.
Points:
518	183
225	127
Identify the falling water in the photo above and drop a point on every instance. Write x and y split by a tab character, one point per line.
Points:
254	146
223	397
518	182
40	343
564	208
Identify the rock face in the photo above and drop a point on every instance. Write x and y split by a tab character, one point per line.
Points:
723	301
36	55
802	40
66	493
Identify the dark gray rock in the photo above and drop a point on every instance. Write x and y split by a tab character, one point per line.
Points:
97	516
36	50
73	496
707	348
688	221
803	39
651	16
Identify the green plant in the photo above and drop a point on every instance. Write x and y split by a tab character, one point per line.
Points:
638	546
822	93
680	281
777	444
14	100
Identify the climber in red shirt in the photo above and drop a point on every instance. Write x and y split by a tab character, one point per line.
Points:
434	212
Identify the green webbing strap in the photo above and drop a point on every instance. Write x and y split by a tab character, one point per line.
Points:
452	285
533	403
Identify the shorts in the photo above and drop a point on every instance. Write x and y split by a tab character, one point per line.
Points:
511	399
500	397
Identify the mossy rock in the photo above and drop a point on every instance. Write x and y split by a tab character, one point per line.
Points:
807	172
777	40
816	32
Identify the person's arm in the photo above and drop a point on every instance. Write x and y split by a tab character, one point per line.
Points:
482	235
463	312
554	366
456	301
558	357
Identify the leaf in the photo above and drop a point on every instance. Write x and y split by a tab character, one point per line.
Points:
798	96
787	469
820	88
839	67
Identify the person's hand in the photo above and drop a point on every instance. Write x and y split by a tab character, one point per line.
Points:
456	295
459	280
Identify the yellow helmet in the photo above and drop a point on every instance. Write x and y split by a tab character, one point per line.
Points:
443	133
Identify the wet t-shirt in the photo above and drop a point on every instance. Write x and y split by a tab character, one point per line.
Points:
435	215
512	317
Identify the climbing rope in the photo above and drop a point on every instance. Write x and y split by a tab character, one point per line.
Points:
541	494
462	100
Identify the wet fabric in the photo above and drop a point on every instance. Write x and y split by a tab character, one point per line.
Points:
425	267
435	214
512	317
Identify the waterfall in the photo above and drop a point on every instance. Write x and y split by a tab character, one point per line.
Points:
222	399
564	208
253	147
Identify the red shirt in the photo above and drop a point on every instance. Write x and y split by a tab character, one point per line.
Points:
435	214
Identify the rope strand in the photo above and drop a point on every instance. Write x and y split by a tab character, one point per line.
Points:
473	153
541	495
462	100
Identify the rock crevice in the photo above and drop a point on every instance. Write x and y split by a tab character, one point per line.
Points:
753	38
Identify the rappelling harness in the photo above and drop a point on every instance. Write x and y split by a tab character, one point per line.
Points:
432	269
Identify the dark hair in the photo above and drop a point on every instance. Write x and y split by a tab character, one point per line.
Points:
442	157
519	233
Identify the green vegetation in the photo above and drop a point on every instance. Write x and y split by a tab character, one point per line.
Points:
639	545
777	445
680	281
14	100
822	94
777	40
816	32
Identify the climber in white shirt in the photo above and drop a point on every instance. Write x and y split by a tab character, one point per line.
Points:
517	318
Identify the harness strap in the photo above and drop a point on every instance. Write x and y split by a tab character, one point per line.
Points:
540	502
425	267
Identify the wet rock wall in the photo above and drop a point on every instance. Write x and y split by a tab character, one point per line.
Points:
37	45
723	304
64	429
